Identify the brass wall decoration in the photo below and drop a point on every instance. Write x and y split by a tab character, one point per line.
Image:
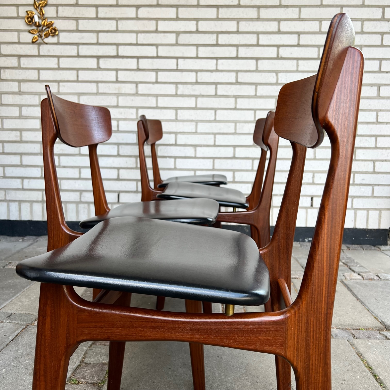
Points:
44	29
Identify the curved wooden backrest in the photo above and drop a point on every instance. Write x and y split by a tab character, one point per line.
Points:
258	133
79	124
341	35
302	104
153	129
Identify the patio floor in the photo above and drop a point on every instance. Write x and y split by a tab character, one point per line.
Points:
360	345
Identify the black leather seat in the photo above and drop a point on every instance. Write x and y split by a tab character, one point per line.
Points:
228	197
158	258
192	211
209	180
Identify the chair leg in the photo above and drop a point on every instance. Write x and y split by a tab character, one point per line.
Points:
283	373
160	303
117	353
207	307
54	339
197	353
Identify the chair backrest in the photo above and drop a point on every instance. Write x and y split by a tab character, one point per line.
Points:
328	101
76	125
79	124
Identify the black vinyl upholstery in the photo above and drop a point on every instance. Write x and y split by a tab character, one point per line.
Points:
209	180
228	197
158	258
192	211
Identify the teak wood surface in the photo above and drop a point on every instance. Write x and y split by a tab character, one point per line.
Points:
297	333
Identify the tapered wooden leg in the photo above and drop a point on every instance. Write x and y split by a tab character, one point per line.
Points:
197	353
117	353
207	307
55	345
283	373
160	303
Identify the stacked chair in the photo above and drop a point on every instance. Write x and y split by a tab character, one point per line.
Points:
129	254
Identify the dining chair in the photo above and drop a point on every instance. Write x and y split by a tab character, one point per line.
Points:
154	133
157	257
80	125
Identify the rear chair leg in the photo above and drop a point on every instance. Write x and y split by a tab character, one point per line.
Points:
117	353
196	350
56	326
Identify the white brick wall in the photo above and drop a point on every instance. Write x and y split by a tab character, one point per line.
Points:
208	69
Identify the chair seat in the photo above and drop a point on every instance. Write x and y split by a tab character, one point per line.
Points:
158	258
192	211
209	180
224	196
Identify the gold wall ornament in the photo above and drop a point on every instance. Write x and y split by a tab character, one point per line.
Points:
43	28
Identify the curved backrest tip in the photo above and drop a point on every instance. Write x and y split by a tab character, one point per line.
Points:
259	133
340	37
79	124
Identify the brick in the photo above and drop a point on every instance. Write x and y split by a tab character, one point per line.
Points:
258	26
377	26
216	77
218	2
157	64
103	50
214	152
18	74
197	64
78	63
181	77
286	13
236	64
200	39
97	25
237	39
7	86
60	50
217	52
19	99
116	12
177	151
236	90
117	63
57	75
73	37
176	26
136	76
216	102
308	52
192	139
137	101
257	52
117	38
195	115
9	62
77	12
137	51
137	25
155	12
164	89
238	13
256	77
196	90
233	140
217	26
177	51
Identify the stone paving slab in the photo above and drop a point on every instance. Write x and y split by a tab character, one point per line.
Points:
16	361
348	312
8	331
375	296
377	354
348	371
10	245
36	248
10	285
27	301
375	261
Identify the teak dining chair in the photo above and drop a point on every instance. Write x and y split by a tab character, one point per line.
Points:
82	125
137	255
154	133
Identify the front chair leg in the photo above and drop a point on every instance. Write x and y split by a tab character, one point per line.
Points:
56	325
197	352
117	353
283	373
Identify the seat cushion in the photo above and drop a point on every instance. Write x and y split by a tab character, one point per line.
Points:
209	180
193	211
224	196
158	258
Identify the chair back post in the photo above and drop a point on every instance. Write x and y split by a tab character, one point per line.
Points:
263	209
147	192
99	195
156	169
254	197
59	234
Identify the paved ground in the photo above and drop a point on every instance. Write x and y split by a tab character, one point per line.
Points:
360	345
